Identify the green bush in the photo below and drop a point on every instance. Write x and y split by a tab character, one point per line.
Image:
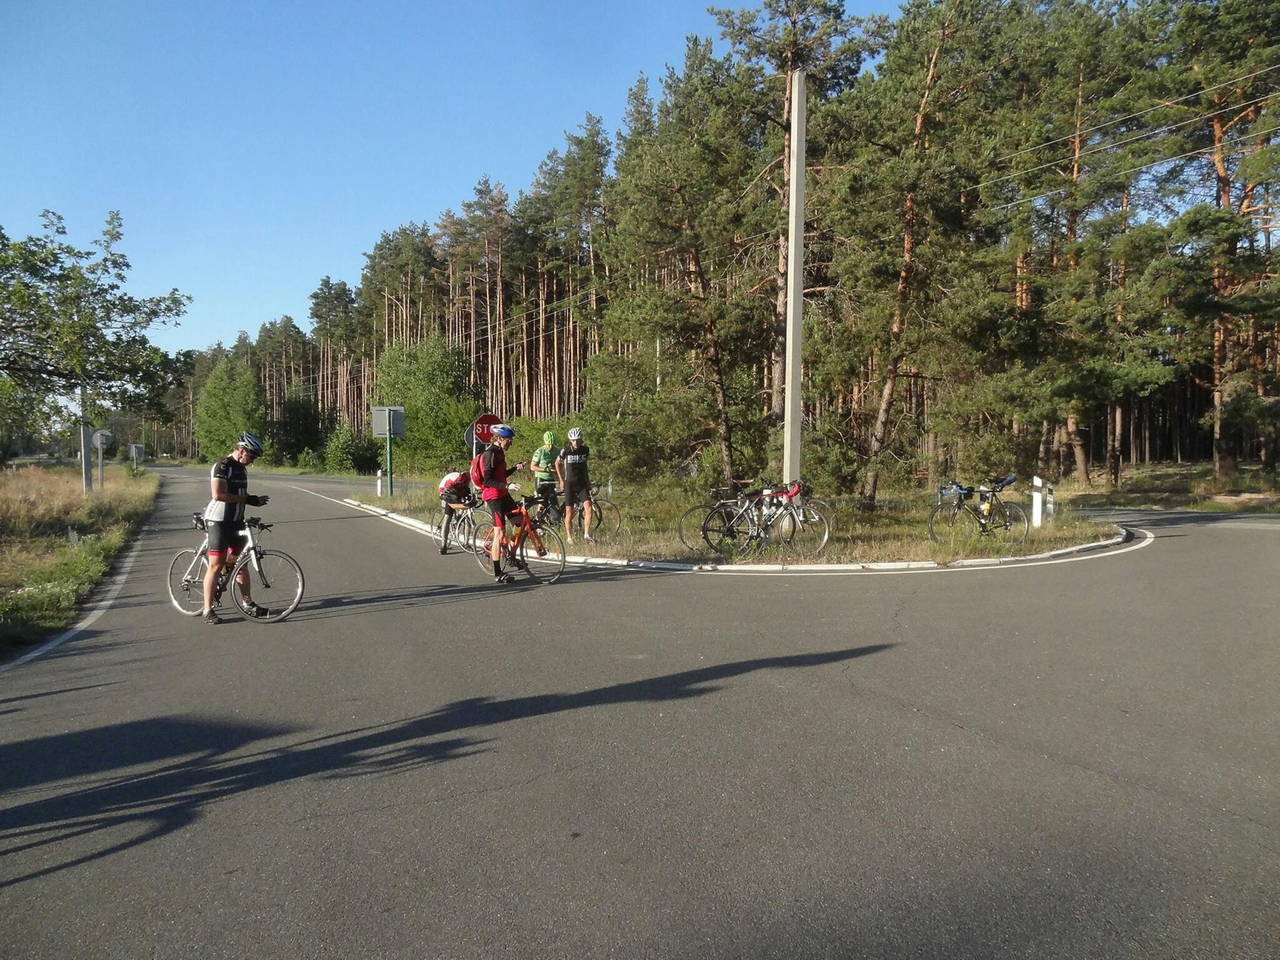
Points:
348	450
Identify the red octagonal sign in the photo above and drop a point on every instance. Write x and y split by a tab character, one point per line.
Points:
484	427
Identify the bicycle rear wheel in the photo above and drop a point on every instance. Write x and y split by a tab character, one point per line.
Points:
606	520
952	525
547	568
186	582
689	526
275	580
1008	523
727	530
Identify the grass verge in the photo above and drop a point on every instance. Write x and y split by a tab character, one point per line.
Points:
1179	486
896	531
56	544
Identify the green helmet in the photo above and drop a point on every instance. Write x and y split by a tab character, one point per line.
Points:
549	437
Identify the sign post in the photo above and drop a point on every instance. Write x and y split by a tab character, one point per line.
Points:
388	422
101	439
138	452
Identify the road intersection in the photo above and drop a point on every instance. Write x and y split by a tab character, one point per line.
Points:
1066	760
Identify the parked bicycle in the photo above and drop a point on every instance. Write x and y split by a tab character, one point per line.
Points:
760	519
535	549
275	579
965	514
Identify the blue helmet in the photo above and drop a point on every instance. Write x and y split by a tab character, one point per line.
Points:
502	430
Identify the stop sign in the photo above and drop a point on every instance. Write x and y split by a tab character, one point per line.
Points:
484	427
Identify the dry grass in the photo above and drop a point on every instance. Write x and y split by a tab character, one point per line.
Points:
56	543
1179	486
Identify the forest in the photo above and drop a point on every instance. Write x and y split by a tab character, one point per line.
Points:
1038	237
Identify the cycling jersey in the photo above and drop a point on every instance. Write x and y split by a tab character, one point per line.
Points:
455	484
543	461
493	464
576	475
233	473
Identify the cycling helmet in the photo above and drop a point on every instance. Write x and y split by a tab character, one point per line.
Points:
502	430
549	437
575	433
250	443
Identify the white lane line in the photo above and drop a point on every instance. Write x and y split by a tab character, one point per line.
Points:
1147	539
90	618
805	570
407	522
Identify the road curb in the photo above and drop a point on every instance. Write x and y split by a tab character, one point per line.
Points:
673	566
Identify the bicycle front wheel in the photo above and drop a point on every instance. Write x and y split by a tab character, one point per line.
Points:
1008	523
803	530
689	526
481	539
275	583
952	526
548	567
186	582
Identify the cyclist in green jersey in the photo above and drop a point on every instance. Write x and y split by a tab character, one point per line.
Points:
543	464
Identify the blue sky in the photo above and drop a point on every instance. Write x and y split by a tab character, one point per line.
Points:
253	148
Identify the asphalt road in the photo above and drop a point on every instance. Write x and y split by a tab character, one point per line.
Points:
1062	760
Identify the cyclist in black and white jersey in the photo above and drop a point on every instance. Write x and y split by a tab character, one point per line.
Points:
224	519
575	478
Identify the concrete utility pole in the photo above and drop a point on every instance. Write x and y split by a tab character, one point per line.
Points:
86	465
793	407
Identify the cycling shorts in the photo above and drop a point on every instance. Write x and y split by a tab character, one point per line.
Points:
450	497
576	495
225	537
503	508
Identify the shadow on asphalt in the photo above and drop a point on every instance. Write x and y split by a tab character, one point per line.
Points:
55	693
333	605
158	802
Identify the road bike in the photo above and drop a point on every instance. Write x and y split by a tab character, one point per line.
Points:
760	519
275	579
689	526
966	514
461	530
535	549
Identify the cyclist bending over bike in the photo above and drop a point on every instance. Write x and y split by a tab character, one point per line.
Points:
229	488
494	493
455	496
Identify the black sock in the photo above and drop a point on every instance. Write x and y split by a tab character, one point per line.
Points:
497	569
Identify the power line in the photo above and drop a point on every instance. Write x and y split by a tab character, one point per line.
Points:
1145	166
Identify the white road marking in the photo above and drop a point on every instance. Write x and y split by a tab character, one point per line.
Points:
809	570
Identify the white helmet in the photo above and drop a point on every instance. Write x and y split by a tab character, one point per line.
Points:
575	433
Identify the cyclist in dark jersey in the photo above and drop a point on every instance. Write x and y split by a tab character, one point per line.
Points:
571	468
224	519
494	493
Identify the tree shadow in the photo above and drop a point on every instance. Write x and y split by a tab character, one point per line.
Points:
198	769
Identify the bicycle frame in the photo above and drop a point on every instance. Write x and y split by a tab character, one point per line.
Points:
250	548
